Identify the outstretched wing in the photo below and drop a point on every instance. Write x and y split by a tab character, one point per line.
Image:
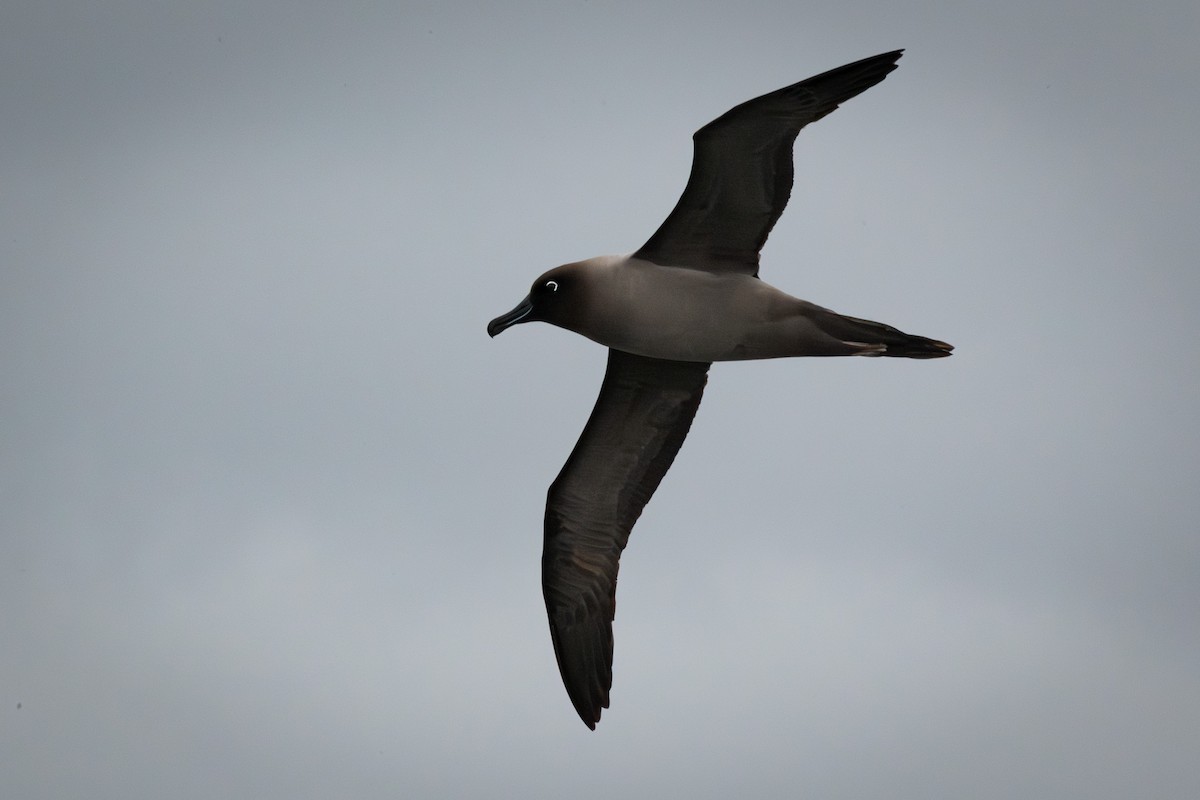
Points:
641	418
742	171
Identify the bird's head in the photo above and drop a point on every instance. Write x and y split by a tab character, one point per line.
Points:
555	297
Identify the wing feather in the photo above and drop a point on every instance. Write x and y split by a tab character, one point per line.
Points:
742	171
643	413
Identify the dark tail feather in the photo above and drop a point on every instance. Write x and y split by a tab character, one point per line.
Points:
919	347
895	343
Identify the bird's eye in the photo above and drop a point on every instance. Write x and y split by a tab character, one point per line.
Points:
552	285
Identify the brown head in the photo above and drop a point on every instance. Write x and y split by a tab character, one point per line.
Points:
556	297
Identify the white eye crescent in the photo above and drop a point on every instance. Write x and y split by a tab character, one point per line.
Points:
552	285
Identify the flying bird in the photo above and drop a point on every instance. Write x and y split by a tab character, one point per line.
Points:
689	296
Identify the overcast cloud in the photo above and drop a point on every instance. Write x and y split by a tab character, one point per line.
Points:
271	500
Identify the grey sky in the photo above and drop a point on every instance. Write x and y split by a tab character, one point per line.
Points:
270	521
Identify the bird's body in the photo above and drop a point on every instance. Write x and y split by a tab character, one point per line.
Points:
688	297
684	314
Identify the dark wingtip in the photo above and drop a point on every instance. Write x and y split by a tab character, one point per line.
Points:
589	701
593	718
584	656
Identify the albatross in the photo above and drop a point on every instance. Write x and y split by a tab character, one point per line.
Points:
689	296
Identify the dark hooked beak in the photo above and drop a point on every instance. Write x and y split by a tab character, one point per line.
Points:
518	314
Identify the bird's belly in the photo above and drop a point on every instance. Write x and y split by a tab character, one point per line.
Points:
699	317
679	345
796	337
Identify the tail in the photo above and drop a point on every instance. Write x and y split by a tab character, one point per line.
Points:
877	339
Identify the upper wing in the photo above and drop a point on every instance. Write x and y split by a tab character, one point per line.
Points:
742	171
641	418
